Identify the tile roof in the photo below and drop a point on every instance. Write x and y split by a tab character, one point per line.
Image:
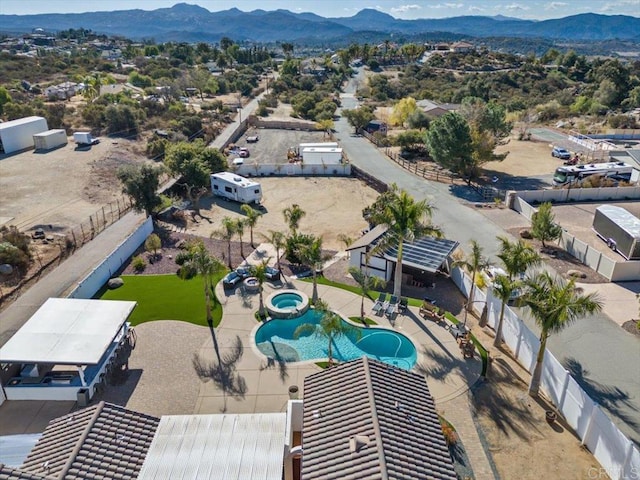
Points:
8	473
103	441
368	420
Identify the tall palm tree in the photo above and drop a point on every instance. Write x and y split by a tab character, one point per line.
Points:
252	216
367	283
503	287
276	239
517	257
331	327
473	263
240	224
310	254
554	304
260	272
226	233
206	265
293	215
405	219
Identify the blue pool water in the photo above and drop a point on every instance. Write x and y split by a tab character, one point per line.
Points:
275	339
287	301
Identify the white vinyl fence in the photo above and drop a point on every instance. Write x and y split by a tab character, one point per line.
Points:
619	457
90	284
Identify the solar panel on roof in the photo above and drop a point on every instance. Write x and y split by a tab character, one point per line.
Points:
426	253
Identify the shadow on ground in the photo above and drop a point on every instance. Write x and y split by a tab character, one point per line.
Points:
121	392
508	416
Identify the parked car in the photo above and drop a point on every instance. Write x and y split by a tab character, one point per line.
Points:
252	139
243	152
561	153
272	273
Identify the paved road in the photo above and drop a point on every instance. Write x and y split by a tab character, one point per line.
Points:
602	356
58	282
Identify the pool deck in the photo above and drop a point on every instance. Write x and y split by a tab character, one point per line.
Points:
255	384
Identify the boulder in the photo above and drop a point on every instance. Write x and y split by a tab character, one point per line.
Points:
114	283
576	274
6	269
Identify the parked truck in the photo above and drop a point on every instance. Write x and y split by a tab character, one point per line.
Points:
84	139
620	229
234	187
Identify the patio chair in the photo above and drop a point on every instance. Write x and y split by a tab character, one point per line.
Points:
402	306
392	308
379	304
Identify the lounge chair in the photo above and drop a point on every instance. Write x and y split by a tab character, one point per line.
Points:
402	306
379	305
392	308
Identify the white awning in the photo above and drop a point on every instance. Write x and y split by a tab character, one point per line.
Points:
220	447
66	331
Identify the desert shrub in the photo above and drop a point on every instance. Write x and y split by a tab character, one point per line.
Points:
187	271
139	264
526	234
13	256
293	245
183	257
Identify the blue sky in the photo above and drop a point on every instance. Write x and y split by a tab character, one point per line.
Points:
409	9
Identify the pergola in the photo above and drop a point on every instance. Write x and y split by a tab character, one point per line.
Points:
80	333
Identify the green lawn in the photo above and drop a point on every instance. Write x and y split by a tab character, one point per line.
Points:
165	297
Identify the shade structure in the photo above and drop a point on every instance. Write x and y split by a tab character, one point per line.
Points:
68	331
425	253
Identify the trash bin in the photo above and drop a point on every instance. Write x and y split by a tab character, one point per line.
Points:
293	392
83	397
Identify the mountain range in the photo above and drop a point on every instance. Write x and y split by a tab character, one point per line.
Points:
192	23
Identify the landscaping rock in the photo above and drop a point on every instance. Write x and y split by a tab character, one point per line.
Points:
6	269
576	274
114	283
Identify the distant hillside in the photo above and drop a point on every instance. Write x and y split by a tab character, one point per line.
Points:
184	22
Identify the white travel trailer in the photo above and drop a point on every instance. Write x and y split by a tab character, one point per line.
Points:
302	146
321	155
234	187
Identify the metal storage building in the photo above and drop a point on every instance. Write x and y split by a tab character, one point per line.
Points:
18	134
50	139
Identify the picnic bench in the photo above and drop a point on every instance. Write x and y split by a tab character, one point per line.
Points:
428	310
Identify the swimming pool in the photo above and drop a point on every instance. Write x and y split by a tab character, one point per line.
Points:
275	340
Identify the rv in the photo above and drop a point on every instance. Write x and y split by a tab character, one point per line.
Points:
321	156
614	170
234	187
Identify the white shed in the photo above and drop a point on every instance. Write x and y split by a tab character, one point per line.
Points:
18	134
50	139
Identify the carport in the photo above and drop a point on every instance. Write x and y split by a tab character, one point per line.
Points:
64	349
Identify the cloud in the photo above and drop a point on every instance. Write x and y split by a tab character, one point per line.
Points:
555	5
513	7
447	5
616	6
405	8
476	9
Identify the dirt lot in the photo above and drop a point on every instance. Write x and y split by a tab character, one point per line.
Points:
333	206
64	186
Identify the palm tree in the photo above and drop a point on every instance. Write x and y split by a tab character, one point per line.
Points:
276	239
517	257
554	304
206	265
367	283
226	233
240	224
293	215
331	327
503	287
260	272
311	255
405	219
252	218
473	263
